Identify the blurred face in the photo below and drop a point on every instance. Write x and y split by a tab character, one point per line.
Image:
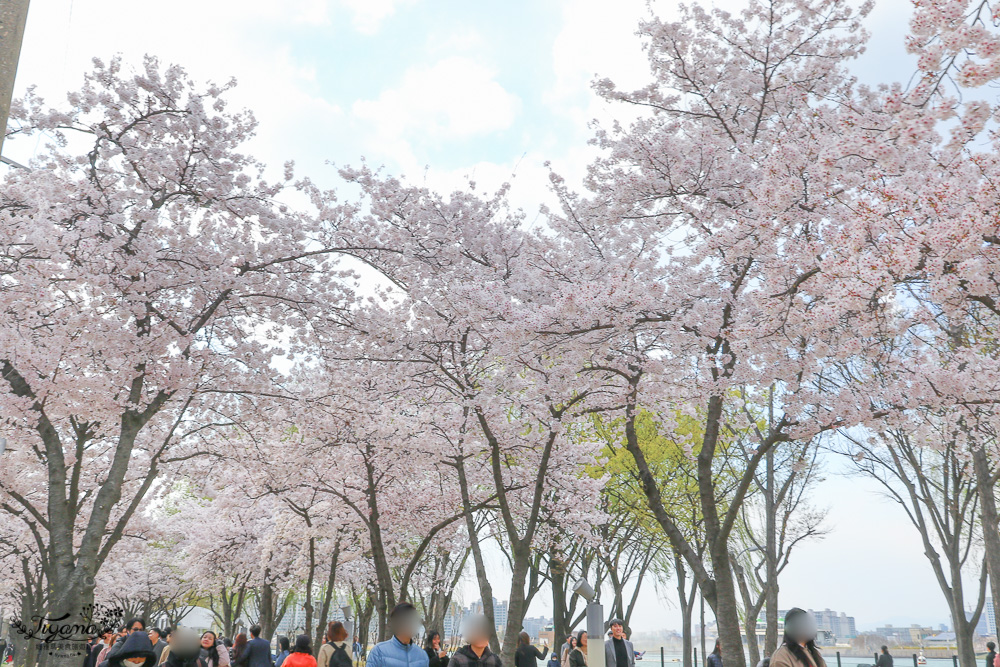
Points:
136	627
583	640
207	640
617	631
405	625
801	628
154	636
135	661
478	632
436	642
572	642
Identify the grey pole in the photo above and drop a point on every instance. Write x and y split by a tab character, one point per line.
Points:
595	634
13	14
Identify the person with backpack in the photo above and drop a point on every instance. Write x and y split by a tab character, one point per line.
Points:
335	652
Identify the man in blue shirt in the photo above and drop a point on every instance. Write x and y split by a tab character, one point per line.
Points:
400	651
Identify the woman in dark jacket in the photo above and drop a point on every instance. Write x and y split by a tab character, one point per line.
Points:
135	651
432	645
578	656
715	657
526	654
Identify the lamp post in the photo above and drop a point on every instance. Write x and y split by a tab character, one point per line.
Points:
595	623
348	623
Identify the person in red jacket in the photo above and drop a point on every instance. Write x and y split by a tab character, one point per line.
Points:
301	655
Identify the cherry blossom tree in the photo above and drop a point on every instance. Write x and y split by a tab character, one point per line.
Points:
148	272
695	267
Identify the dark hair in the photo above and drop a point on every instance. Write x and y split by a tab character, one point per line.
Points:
579	636
796	649
990	645
524	639
885	649
429	639
133	621
166	631
302	644
718	647
156	630
283	643
255	630
213	650
401	608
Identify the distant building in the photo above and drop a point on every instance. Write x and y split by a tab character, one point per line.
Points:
991	617
839	625
982	627
499	613
535	627
911	636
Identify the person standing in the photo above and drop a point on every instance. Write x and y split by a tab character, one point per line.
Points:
156	637
335	652
991	656
618	651
477	652
135	651
567	648
578	656
134	625
884	660
436	656
239	647
527	655
213	652
798	647
257	652
183	649
715	657
400	650
165	655
283	650
301	655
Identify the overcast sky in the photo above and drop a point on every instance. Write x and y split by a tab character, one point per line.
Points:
444	89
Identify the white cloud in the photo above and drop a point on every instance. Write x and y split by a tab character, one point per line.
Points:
367	15
453	99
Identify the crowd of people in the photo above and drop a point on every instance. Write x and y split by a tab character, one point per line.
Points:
136	646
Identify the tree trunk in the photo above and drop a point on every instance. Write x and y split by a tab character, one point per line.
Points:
517	605
265	610
310	580
560	615
687	611
485	589
985	484
324	611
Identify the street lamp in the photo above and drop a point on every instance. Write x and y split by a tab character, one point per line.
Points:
595	622
348	624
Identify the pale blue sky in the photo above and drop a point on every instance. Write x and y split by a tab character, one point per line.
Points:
467	88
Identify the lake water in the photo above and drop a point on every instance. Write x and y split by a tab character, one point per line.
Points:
652	659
